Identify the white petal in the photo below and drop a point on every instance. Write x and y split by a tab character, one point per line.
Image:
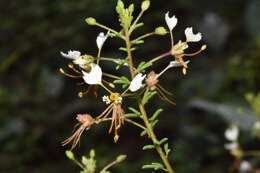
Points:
72	54
191	37
101	38
94	76
170	21
232	133
136	83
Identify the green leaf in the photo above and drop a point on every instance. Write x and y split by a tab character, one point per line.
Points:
122	80
156	114
131	115
154	123
134	110
120	7
166	149
147	96
155	166
144	132
148	147
163	140
143	65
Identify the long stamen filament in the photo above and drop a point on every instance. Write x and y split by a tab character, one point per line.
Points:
67	74
103	86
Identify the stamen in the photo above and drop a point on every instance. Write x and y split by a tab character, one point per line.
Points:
71	66
109	83
164	97
104	112
164	90
68	75
80	83
102	85
199	51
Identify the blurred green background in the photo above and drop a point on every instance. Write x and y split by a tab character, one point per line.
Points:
38	105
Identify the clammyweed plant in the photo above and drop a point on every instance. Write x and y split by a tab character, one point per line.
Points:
142	83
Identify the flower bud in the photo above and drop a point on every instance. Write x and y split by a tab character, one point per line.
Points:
70	155
160	30
145	5
91	21
120	158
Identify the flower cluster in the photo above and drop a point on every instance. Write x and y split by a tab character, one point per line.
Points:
89	70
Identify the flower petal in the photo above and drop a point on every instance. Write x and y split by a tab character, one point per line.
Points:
94	76
72	54
191	37
101	38
170	21
136	83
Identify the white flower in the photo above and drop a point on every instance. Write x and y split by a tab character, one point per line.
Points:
101	38
94	76
170	21
232	133
106	99
245	166
72	54
190	37
136	83
231	146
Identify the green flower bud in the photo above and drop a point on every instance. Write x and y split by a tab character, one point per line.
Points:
145	5
160	30
92	153
91	21
70	155
120	158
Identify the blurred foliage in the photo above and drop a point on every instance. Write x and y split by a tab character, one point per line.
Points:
37	104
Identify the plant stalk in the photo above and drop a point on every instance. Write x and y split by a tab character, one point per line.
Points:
153	137
148	125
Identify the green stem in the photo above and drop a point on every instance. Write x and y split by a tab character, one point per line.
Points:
143	36
153	137
79	164
109	29
148	125
129	53
135	22
109	166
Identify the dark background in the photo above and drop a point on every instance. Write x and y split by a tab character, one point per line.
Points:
38	105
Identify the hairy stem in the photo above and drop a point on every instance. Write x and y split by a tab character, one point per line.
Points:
142	109
129	53
154	139
143	36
